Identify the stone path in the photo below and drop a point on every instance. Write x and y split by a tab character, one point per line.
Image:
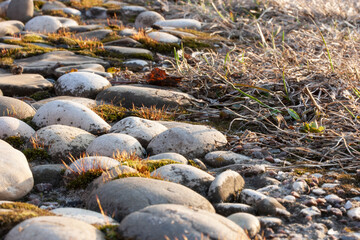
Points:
73	172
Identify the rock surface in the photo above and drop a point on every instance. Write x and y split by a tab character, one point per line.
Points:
10	127
21	10
13	107
24	84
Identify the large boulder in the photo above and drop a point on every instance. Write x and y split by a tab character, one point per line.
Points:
9	28
24	84
13	127
15	108
21	10
43	24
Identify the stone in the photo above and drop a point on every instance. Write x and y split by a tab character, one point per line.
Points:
310	211
123	42
226	187
53	5
43	24
129	13
83	28
67	22
224	158
21	10
70	113
226	209
54	227
10	28
4	46
270	222
142	129
140	193
96	12
354	214
48	173
81	84
170	220
141	95
46	63
16	177
24	84
300	186
71	11
169	155
90	163
13	127
127	32
90	217
61	141
247	222
3	8
127	52
135	64
115	143
192	141
163	37
90	68
15	108
333	199
95	35
249	196
186	175
87	102
147	19
180	23
269	206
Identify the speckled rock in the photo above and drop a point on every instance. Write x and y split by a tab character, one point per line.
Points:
21	10
16	177
71	114
226	187
15	108
87	102
115	143
190	141
54	227
224	158
127	52
10	126
81	84
173	221
140	193
147	19
43	24
24	84
186	175
91	68
247	222
62	140
170	155
91	163
250	196
142	129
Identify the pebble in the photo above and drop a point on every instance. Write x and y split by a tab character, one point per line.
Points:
333	199
246	221
354	214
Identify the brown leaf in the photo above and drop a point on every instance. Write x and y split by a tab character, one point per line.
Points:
160	78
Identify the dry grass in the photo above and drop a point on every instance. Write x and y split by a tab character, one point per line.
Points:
282	57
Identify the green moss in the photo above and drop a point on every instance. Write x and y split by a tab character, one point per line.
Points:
195	43
6	62
29	122
17	213
110	113
28	50
64	40
143	175
40	95
192	163
32	38
33	154
109	54
83	180
155	164
38	5
110	232
111	37
15	141
159	47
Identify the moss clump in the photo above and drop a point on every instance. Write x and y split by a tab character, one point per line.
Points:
109	54
63	40
192	163
147	166
29	122
110	232
18	212
40	95
15	141
6	62
143	175
33	154
57	13
195	43
82	180
32	38
38	5
111	37
110	113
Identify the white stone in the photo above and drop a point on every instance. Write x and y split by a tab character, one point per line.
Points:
16	178
71	11
10	126
43	24
180	23
71	114
67	22
81	84
147	19
87	102
249	196
142	129
300	186
333	199
310	211
163	37
247	222
91	163
170	155
348	205
354	214
318	191
290	198
115	143
330	185
223	158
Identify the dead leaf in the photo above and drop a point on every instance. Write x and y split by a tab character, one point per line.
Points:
160	78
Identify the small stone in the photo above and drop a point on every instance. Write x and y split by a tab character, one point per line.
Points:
43	24
21	10
301	187
333	199
13	127
170	155
250	196
180	23
15	108
318	191
147	19
311	202
97	13
226	209
163	37
270	222
354	214
348	205
247	222
289	198
269	206
224	158
330	185
311	211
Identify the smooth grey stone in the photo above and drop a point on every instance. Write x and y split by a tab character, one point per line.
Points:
175	221
268	206
147	19
23	84
226	187
186	175
270	222
21	10
163	37
128	13
247	222
43	24
92	68
136	64
15	108
123	42
96	35
83	28
5	46
9	28
140	193
126	52
251	197
46	63
169	155
127	32
67	22
13	127
48	173
226	209
142	95
224	158
54	228
97	13
87	102
180	23
3	8
53	5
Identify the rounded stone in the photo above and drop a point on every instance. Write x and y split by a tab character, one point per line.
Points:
91	163
54	227
180	23
246	221
142	129
250	196
163	37
9	28
147	19
15	108
354	214
269	206
224	158
62	140
21	10
191	141
87	102
173	221
48	173
81	84
16	177
140	193
115	143
43	24
170	155
186	175
226	209
13	127
24	84
71	114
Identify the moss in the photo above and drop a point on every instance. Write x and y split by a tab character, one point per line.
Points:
159	47
15	141
57	13
40	95
109	54
63	40
109	232
110	113
155	164
82	180
28	50
111	37
143	175
192	163
195	43
29	122
38	5
17	213
32	38
33	154
6	62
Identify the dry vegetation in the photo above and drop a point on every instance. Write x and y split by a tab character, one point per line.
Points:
286	77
